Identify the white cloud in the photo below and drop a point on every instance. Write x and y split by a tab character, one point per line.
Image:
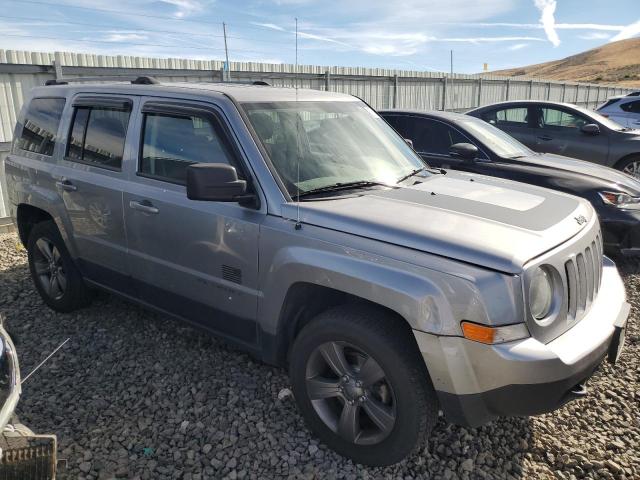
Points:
185	7
124	37
629	31
272	26
547	19
594	36
517	46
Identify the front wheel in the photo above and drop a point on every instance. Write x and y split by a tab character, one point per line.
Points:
630	166
54	274
362	386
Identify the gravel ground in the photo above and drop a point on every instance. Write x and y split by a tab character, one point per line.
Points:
137	395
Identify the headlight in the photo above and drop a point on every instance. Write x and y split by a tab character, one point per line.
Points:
540	293
620	200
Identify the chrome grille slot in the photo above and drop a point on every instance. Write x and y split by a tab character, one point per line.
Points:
572	290
583	275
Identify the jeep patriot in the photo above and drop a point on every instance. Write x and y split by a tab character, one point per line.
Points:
298	225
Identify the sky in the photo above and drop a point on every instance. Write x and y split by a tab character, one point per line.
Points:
407	34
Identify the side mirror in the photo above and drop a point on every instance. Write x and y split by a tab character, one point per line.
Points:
409	142
216	182
590	129
466	151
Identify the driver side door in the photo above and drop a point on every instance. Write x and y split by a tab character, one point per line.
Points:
558	131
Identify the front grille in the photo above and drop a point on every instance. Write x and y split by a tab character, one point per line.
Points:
583	272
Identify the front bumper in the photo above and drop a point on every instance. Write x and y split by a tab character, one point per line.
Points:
620	231
477	383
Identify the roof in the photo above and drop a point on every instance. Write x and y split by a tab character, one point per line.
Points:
239	92
523	102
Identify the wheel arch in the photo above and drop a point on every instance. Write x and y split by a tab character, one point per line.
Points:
26	217
626	158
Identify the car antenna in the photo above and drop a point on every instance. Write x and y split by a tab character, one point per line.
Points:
298	224
44	361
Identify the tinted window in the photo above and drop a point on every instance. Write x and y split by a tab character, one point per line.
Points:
97	136
631	107
507	116
431	136
554	118
172	143
41	125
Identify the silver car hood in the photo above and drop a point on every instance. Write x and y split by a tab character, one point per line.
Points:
495	223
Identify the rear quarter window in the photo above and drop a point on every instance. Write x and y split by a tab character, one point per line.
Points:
631	107
41	125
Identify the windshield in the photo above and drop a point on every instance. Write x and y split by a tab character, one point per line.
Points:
500	142
319	144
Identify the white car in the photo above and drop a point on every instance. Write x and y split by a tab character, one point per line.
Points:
623	110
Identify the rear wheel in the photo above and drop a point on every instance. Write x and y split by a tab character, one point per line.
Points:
362	386
630	166
54	274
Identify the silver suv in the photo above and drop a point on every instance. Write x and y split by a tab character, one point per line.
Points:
298	225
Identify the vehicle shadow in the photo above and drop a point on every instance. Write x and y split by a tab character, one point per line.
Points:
134	393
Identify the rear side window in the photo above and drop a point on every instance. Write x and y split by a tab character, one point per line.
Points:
173	142
508	116
97	136
41	125
631	107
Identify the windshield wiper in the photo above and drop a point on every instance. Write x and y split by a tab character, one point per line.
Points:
334	187
441	171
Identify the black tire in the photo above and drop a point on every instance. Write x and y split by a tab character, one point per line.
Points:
630	165
62	296
364	333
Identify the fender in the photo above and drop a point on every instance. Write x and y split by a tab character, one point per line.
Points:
414	293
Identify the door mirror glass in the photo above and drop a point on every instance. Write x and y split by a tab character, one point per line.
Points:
466	151
216	182
590	129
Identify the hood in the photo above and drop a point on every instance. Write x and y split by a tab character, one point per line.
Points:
573	166
495	223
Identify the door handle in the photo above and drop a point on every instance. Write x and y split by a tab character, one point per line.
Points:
143	206
546	138
66	185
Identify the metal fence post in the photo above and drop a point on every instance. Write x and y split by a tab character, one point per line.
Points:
57	65
327	80
548	90
479	92
577	93
508	88
564	90
444	93
223	77
588	95
531	90
395	91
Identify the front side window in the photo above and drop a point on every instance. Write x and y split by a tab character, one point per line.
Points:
498	141
319	144
171	143
41	125
554	118
432	136
97	136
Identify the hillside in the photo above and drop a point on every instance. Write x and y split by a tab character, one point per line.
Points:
617	62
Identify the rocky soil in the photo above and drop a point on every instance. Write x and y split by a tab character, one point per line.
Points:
137	395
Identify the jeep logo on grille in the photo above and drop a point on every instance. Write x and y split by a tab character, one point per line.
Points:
581	219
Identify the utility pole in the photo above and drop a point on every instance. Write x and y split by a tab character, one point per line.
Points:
226	51
451	62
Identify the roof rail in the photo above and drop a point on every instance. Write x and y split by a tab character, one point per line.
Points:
135	80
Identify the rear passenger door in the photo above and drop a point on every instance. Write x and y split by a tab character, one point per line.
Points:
196	259
90	180
513	120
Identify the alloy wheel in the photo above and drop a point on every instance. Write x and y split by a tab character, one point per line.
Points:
633	169
49	268
350	393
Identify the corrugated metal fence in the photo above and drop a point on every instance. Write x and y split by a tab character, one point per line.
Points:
381	88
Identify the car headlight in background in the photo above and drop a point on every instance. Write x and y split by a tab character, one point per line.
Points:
541	293
620	200
9	378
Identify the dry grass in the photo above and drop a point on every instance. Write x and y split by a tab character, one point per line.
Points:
614	63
